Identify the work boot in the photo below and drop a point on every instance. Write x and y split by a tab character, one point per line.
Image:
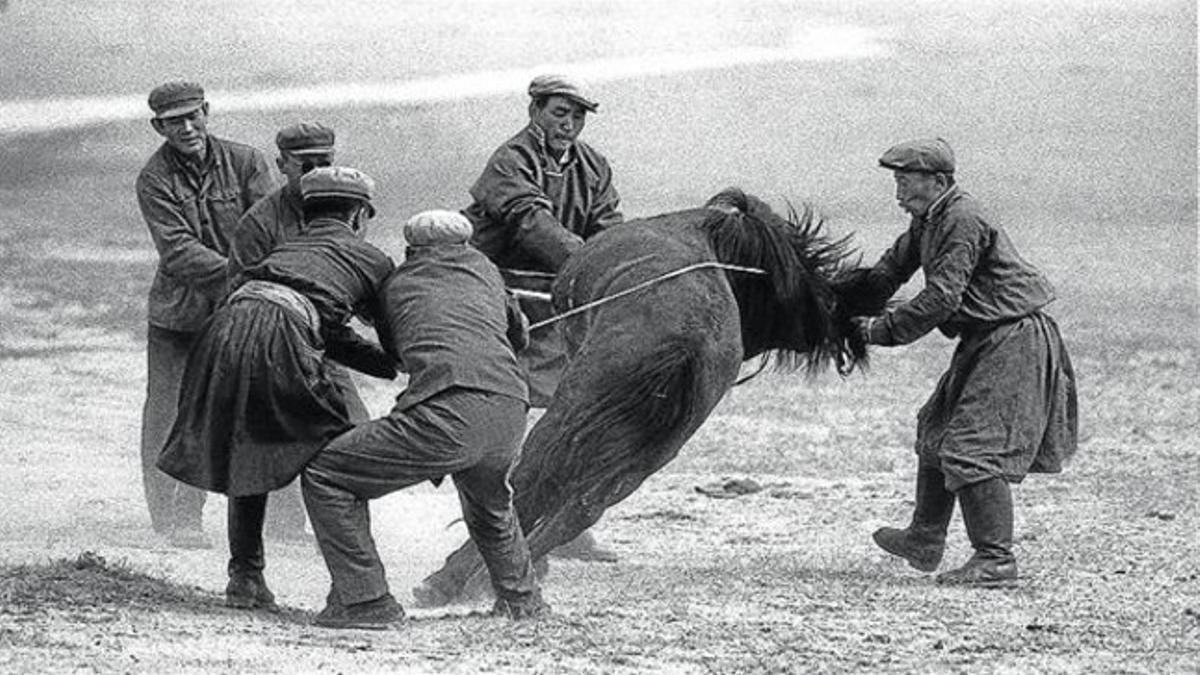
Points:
378	614
585	548
533	607
988	514
248	590
924	540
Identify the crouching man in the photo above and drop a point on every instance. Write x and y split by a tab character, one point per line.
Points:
447	319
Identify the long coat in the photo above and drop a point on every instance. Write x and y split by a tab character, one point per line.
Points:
257	401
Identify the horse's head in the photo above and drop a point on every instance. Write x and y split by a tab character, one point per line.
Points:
795	310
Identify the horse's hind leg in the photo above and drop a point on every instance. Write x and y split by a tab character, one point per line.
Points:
589	502
449	584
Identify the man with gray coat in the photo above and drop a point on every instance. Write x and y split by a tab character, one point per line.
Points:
1007	404
191	193
447	319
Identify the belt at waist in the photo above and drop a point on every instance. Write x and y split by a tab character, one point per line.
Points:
289	299
978	328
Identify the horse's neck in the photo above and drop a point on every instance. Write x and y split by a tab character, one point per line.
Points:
759	315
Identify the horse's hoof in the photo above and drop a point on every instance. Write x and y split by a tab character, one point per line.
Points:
426	595
585	548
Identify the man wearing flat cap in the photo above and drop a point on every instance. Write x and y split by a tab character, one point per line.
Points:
449	322
274	219
540	196
191	193
544	191
256	401
1006	406
280	215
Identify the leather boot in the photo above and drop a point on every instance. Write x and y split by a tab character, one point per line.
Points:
247	589
924	540
988	514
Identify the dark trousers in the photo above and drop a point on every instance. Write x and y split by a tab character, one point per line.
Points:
245	529
545	359
172	504
473	436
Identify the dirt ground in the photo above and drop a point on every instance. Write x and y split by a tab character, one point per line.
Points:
782	580
1075	121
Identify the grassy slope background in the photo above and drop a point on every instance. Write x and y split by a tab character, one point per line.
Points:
1074	122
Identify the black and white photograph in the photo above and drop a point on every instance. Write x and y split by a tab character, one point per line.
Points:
604	337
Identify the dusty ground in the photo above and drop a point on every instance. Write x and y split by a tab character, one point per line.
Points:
1076	122
782	580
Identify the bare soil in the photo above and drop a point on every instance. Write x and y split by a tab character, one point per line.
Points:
783	579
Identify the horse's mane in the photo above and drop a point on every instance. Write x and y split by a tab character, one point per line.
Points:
790	315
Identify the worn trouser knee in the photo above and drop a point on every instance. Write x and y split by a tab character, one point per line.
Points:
492	522
341	522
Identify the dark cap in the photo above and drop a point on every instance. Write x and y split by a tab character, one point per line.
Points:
561	85
927	155
337	181
173	99
305	138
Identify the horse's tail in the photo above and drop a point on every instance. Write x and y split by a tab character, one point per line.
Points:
620	430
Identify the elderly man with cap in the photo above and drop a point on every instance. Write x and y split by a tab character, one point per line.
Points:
277	218
1007	404
257	400
191	193
448	320
539	197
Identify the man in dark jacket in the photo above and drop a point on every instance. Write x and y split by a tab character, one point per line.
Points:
540	196
256	400
191	193
544	191
446	318
1007	404
273	220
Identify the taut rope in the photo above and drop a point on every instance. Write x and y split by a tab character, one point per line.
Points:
634	289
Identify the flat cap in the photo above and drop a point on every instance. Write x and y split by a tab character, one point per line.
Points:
305	138
176	98
927	155
436	228
337	181
561	85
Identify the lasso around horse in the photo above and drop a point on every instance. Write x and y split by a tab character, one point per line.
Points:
629	291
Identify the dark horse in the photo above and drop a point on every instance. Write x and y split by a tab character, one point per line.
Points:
646	370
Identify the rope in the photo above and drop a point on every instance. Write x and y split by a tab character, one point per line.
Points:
642	286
